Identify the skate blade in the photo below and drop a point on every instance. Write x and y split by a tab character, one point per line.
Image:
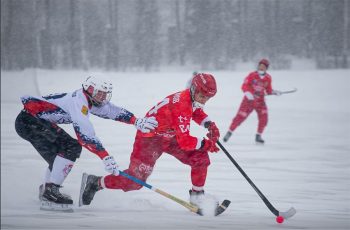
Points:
82	188
51	206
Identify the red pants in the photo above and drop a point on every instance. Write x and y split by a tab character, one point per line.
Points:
246	108
144	156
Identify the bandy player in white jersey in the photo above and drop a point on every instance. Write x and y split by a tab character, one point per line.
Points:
37	123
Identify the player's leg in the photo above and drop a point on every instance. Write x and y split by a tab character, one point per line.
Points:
263	119
199	162
31	129
145	153
44	137
68	150
244	110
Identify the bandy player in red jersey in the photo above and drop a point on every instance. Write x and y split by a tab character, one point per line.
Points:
172	136
255	86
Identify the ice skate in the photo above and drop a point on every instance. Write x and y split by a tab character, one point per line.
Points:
89	186
53	200
258	139
207	204
42	189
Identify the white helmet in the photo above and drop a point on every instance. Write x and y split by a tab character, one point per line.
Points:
98	90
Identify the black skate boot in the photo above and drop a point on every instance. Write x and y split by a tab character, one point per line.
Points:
42	190
258	139
227	136
89	186
52	193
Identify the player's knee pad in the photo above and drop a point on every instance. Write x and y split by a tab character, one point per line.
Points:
72	151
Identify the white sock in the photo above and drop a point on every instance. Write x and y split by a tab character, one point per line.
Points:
47	176
60	169
102	181
197	188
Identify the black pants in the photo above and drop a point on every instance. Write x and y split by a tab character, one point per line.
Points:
47	138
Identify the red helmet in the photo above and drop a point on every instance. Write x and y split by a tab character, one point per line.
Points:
204	83
264	62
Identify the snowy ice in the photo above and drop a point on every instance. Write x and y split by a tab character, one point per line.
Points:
305	162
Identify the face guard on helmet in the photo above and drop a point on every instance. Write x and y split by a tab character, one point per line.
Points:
202	88
99	91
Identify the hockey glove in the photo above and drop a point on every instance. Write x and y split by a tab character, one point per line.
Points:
209	146
146	124
249	95
213	133
110	165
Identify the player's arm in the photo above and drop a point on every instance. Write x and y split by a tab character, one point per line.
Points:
86	137
181	118
184	139
111	111
247	87
269	89
188	142
200	117
85	131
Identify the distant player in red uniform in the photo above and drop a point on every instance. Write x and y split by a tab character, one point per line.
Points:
255	86
172	136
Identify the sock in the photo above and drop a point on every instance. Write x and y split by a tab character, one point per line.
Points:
47	176
60	169
197	188
101	182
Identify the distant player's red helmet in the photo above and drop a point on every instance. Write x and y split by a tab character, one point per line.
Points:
204	83
264	62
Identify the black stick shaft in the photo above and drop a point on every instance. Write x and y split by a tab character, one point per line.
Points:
266	201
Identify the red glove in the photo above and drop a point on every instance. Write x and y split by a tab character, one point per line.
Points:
209	146
213	133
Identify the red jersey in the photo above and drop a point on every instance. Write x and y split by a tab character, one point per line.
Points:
174	115
257	85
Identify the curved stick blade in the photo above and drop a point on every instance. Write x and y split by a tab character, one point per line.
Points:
288	214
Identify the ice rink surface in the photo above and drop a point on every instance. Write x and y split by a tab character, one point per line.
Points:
305	162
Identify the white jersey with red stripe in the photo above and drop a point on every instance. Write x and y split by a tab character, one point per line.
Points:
73	108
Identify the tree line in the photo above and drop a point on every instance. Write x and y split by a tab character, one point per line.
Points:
145	35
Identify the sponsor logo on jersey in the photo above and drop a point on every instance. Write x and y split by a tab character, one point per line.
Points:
84	110
182	119
184	128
